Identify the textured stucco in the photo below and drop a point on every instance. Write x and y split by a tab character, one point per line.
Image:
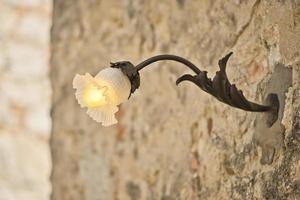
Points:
25	90
176	142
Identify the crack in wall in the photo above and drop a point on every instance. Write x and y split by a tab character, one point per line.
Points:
246	25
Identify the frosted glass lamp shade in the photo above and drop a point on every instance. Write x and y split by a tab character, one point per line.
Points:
102	94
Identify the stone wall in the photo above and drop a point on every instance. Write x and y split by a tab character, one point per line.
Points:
177	142
25	100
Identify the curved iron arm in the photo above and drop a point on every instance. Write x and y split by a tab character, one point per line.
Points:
168	57
219	86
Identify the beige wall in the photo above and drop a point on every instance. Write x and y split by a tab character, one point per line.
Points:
176	142
24	100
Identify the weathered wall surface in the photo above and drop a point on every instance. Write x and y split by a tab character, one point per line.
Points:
177	142
25	123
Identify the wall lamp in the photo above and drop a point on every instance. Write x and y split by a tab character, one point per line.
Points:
111	86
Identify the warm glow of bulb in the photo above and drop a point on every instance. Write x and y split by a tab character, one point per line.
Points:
94	96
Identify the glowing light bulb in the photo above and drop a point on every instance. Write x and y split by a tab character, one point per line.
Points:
102	94
94	96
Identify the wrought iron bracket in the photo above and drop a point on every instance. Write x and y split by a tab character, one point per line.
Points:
131	72
219	86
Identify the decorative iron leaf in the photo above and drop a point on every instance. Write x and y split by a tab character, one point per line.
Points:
222	89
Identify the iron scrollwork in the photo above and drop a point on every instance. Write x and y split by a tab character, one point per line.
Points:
219	87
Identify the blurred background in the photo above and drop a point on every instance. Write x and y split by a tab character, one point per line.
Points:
25	99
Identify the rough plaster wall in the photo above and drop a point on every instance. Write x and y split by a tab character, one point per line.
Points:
25	90
174	142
